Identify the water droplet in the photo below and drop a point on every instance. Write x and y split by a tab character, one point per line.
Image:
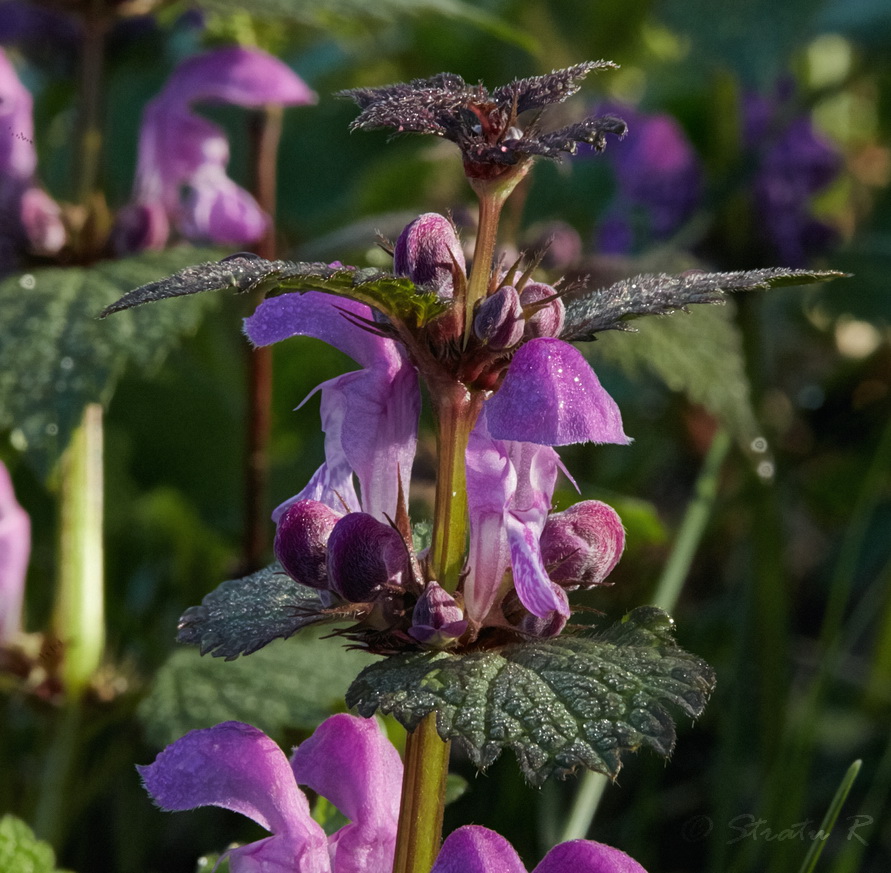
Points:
765	470
52	429
759	444
27	281
18	440
66	363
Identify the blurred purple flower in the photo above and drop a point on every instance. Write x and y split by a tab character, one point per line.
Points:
29	218
181	168
235	766
38	27
658	182
794	162
351	763
15	548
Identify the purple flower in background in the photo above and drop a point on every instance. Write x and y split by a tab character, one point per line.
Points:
181	168
235	766
351	763
794	162
658	182
29	219
15	548
474	849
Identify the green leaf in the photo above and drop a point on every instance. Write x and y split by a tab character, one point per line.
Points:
56	357
290	685
698	353
560	704
21	851
241	616
397	297
604	309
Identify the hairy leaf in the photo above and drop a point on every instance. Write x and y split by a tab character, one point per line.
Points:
243	615
21	851
55	357
698	353
395	296
659	294
290	685
560	704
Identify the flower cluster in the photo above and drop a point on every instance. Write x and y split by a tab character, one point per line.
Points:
351	763
529	391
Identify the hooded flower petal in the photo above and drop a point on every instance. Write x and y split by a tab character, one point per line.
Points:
551	396
372	414
428	252
15	549
215	209
237	767
509	490
474	849
349	761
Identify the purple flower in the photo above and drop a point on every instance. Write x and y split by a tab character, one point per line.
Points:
794	162
474	849
29	218
437	620
351	763
509	490
15	548
370	416
235	766
181	168
658	182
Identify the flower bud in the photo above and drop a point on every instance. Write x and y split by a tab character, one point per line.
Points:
41	218
548	320
548	625
301	541
428	251
365	557
437	620
581	545
498	320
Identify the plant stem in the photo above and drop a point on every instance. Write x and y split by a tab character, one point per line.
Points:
92	59
266	134
668	590
423	799
456	411
79	612
52	807
491	202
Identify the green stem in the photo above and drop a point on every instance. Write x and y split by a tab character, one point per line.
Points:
79	612
666	596
423	799
491	202
456	411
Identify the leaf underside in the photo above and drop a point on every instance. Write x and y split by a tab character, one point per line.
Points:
577	701
396	296
659	294
243	615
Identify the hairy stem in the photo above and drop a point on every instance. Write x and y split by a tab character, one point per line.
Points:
266	134
423	799
92	60
491	203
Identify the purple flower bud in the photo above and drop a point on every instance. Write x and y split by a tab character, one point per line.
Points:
437	620
428	252
548	625
139	227
581	545
498	320
547	321
365	557
301	541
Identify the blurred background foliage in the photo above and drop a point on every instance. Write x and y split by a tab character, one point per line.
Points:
788	594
